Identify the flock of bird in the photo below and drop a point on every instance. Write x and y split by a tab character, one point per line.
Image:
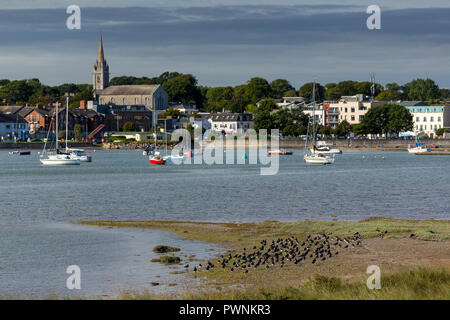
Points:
283	251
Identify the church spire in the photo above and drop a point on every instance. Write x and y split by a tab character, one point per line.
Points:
100	50
101	70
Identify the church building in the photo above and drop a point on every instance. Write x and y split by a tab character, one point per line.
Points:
152	97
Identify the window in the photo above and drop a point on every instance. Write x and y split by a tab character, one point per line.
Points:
432	119
353	118
112	101
361	118
353	109
101	100
346	110
135	100
439	119
417	119
424	119
146	100
124	101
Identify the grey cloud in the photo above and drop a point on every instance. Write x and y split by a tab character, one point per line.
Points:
228	44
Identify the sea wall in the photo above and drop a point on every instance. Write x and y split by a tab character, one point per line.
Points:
40	145
300	144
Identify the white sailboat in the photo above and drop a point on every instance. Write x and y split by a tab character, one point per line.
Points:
77	154
315	157
56	158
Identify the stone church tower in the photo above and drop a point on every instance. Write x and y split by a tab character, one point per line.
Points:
101	71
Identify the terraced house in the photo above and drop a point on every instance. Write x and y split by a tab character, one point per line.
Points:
428	118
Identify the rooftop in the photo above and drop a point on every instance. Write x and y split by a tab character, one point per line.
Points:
8	118
130	90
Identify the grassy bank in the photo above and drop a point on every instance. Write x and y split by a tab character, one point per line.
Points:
418	284
232	234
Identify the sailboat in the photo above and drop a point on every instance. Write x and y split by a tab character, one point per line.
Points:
315	156
57	158
156	157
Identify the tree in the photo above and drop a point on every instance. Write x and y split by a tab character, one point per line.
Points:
129	127
183	88
325	131
290	93
386	119
422	90
440	132
170	112
290	122
78	130
267	105
343	129
251	108
263	120
257	88
216	97
279	87
375	120
306	91
399	119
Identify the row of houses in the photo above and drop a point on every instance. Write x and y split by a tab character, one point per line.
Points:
427	118
24	122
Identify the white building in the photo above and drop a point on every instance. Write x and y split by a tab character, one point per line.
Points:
13	127
231	123
291	102
350	108
427	119
318	112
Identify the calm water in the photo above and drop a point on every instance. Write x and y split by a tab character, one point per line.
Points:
37	243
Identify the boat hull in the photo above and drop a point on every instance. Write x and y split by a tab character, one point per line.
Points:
158	161
331	151
174	158
318	160
59	162
418	150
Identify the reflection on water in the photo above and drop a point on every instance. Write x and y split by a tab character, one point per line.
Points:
34	260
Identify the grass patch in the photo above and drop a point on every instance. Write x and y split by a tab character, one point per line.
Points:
165	249
417	284
234	234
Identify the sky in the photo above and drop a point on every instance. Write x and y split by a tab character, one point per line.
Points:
227	42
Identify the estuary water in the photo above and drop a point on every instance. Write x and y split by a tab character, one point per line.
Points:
37	241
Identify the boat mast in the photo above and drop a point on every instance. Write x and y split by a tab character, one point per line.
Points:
56	128
314	111
165	134
67	118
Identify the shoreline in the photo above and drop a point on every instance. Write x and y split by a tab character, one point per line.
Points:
395	245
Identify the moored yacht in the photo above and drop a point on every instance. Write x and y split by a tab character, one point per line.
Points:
56	158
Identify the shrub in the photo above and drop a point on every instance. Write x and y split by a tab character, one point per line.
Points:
165	249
